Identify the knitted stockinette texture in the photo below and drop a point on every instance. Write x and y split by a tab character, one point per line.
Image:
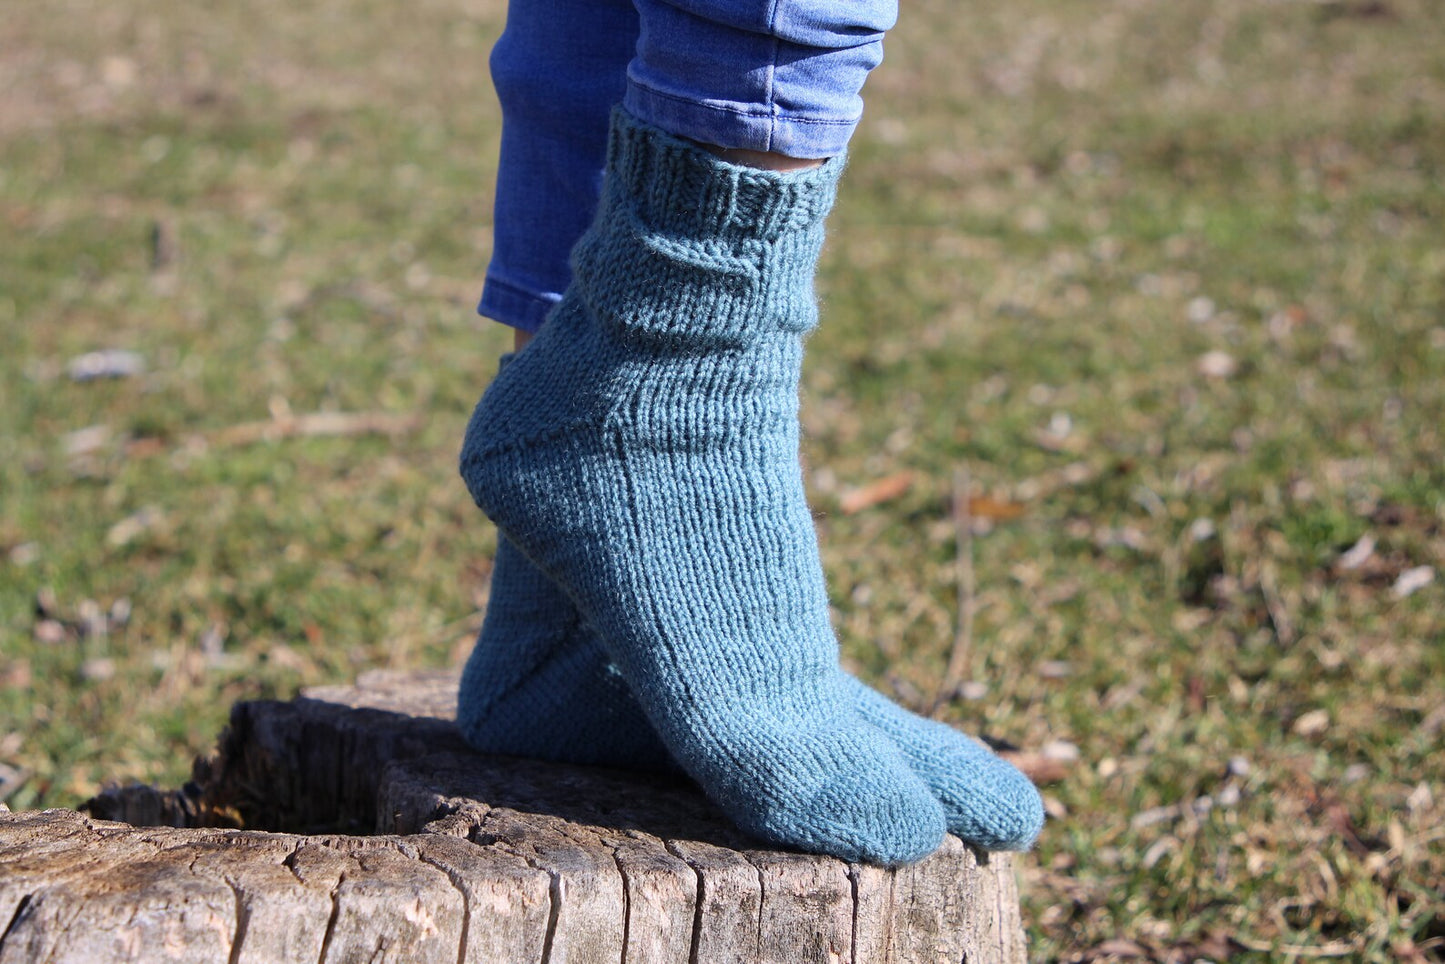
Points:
642	452
539	684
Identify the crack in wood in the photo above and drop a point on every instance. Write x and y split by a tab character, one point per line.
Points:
554	880
853	928
699	901
762	897
331	921
243	921
554	893
17	917
466	903
626	904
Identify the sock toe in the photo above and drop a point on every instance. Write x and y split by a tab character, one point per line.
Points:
996	808
988	801
901	821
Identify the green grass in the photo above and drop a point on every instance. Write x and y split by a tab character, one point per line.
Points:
1054	210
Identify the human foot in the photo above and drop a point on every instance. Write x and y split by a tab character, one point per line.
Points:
540	683
642	452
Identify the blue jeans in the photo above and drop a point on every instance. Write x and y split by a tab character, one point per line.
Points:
766	75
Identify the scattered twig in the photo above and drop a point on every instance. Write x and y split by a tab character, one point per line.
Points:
1335	949
284	425
1278	615
961	658
164	245
314	425
110	363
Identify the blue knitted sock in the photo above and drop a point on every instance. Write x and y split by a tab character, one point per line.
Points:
642	452
986	800
540	683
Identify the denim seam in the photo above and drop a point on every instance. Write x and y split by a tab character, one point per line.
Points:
772	74
772	102
770	114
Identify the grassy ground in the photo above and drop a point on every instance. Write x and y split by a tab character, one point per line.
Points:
1169	278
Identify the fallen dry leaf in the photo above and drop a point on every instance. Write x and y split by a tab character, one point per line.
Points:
885	489
1412	581
1038	767
1217	364
986	507
1312	723
145	447
1118	948
111	363
1358	554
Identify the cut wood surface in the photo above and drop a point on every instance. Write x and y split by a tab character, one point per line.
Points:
374	834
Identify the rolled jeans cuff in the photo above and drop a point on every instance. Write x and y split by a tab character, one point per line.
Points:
519	307
735	125
780	76
783	76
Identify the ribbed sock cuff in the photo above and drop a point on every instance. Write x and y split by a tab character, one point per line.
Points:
679	188
689	248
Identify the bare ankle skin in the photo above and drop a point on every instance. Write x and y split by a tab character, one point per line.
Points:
763	160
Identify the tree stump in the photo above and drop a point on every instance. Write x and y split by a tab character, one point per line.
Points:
374	834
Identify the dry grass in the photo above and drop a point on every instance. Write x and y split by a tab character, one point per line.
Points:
1169	277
